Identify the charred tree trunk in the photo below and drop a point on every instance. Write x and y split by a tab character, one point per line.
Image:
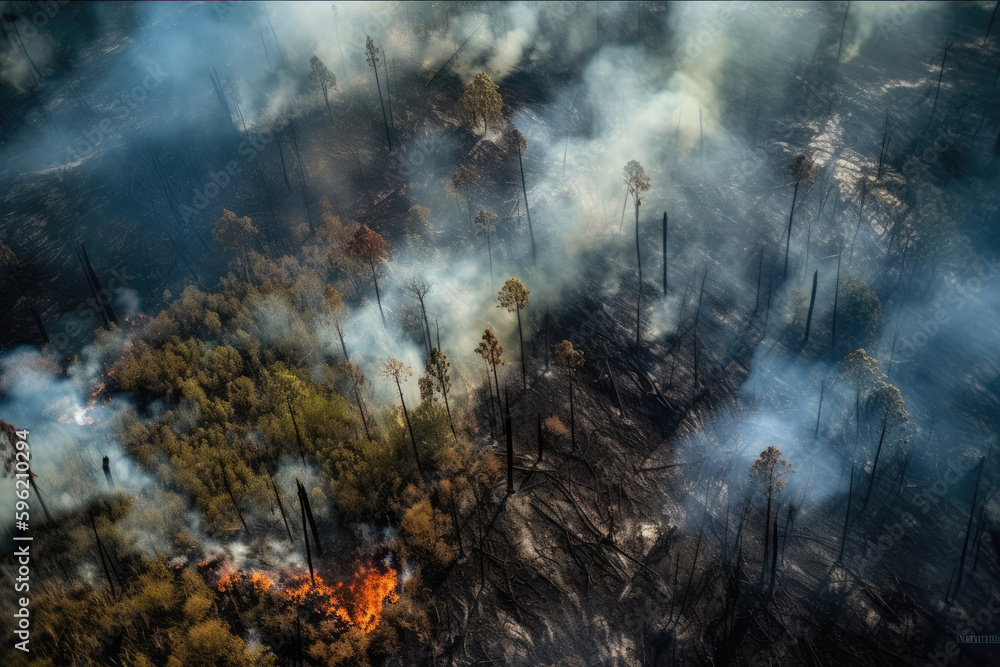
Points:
572	419
524	189
836	298
106	465
232	497
305	537
791	216
760	274
937	92
304	499
878	452
843	25
281	508
378	295
968	530
409	427
384	118
638	260
298	435
819	411
664	253
812	303
100	553
510	447
541	440
524	365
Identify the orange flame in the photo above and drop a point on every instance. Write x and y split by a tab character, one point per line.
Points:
261	582
228	580
357	602
97	391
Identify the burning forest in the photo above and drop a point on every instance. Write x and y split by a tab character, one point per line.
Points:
509	333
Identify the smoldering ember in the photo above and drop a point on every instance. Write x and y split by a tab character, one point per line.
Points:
520	333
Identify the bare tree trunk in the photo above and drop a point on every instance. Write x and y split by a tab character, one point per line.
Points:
281	508
819	411
384	119
524	366
842	26
510	447
572	421
878	452
664	253
295	425
541	441
968	530
791	216
836	298
413	440
812	302
940	77
524	189
378	295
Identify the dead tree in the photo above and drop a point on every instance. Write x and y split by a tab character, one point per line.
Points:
371	54
517	140
569	360
843	25
637	182
304	499
812	303
664	253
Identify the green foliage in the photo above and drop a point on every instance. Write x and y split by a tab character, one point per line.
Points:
438	369
481	102
368	479
859	313
513	295
932	229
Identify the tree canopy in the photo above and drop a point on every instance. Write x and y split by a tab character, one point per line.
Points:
481	102
513	295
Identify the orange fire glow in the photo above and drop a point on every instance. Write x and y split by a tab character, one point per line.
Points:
228	580
261	582
357	602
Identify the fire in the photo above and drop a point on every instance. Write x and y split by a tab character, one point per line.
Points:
79	416
97	391
261	582
357	602
228	580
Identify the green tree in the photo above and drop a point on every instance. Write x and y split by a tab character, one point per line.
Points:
860	313
234	233
368	247
480	100
438	370
491	351
513	296
396	371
